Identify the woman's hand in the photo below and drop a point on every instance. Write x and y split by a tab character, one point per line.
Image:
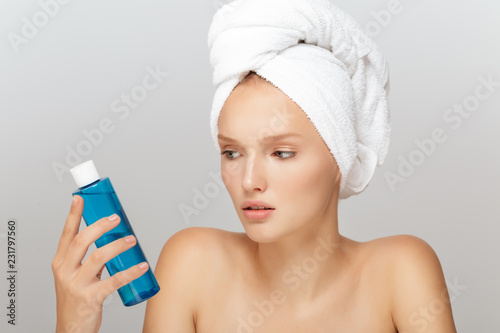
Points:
80	293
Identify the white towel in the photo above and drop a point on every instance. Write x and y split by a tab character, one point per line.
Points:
321	59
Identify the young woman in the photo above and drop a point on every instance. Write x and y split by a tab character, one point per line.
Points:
291	270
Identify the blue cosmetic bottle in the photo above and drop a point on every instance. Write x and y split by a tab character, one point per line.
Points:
100	200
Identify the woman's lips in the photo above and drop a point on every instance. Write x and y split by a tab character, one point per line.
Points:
262	209
257	214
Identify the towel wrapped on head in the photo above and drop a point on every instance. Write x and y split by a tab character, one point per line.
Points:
322	60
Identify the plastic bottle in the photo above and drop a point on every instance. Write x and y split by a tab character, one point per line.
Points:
100	200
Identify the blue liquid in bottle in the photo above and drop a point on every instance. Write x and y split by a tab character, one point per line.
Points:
100	200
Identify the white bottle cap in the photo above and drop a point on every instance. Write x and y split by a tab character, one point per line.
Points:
84	173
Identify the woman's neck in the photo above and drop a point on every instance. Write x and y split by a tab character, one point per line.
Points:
303	263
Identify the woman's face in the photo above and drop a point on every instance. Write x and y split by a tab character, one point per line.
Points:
273	153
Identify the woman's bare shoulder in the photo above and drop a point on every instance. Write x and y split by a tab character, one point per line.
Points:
386	245
415	280
389	250
184	271
202	239
202	247
400	254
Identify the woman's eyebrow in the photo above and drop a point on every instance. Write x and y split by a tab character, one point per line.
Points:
225	138
266	139
273	138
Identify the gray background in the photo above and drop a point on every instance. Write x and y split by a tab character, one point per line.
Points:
65	79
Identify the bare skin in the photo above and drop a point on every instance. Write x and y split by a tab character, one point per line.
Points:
293	271
290	272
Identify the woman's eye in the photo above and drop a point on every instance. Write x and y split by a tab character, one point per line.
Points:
230	154
285	154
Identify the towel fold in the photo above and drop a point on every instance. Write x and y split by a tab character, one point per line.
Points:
321	59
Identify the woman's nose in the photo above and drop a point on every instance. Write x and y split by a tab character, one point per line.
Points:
254	175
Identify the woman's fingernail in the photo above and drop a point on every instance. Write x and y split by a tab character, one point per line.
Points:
75	201
113	218
129	239
143	266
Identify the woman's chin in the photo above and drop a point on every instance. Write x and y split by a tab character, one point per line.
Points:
262	232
